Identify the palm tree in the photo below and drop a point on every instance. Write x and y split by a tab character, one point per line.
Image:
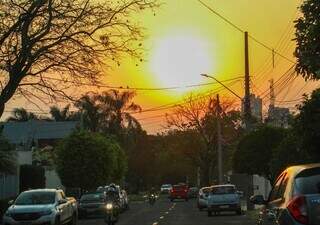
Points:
63	114
22	115
119	107
91	112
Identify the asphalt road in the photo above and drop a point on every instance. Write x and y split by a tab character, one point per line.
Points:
166	213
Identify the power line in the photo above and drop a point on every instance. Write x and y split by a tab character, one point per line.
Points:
242	31
140	88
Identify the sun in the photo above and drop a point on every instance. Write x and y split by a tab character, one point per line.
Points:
179	60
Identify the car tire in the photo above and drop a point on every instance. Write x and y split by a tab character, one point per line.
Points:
74	220
57	221
171	199
209	213
239	212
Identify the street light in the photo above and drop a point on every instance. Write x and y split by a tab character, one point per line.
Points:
235	94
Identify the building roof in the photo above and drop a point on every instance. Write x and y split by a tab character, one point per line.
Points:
23	132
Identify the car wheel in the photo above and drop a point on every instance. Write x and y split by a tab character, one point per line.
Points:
171	199
57	221
209	213
239	212
74	220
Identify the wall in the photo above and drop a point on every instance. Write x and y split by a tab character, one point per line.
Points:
53	180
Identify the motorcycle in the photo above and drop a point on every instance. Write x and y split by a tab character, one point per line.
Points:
152	199
111	214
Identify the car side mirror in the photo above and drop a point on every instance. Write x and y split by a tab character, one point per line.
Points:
258	200
62	201
10	202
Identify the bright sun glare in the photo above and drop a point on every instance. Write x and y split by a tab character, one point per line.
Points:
179	60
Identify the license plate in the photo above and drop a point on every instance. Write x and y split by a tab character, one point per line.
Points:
224	206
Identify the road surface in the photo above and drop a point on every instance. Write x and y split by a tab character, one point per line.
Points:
165	212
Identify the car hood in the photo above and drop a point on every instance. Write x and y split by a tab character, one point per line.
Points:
29	208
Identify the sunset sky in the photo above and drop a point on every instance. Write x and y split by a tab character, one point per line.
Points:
185	39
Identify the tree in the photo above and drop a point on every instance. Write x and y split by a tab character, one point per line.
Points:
199	116
22	115
7	156
307	125
118	106
88	160
255	151
308	40
49	45
109	112
63	114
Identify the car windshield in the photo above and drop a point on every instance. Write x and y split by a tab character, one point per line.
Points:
36	198
223	190
308	181
92	198
179	187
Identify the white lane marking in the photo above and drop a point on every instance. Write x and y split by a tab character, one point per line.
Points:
161	217
156	223
167	212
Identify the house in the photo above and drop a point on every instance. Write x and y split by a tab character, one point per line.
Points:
26	137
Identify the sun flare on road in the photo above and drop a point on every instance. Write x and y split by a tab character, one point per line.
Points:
179	60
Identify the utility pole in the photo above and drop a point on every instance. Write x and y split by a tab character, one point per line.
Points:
220	167
247	105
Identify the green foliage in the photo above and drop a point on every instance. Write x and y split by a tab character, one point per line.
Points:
88	160
255	150
308	40
7	156
287	153
22	115
32	177
307	125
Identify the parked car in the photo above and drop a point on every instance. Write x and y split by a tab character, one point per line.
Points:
165	188
41	206
193	192
179	191
224	198
202	201
294	198
92	204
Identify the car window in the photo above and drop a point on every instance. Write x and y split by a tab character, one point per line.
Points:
223	190
308	181
36	198
282	187
274	192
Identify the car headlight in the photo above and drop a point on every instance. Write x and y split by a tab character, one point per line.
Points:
109	206
46	212
7	213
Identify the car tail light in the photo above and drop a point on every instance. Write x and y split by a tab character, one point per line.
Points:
298	209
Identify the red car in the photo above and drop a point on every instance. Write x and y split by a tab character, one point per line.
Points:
179	191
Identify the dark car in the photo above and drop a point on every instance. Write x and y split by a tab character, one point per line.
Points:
193	192
179	191
92	204
294	198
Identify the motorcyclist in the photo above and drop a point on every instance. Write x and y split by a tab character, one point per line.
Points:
152	195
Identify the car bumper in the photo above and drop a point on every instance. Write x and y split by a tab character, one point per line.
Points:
224	207
44	220
96	211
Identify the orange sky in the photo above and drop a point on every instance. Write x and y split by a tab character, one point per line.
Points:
185	39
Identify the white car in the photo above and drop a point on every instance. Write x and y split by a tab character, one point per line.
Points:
42	206
203	198
166	188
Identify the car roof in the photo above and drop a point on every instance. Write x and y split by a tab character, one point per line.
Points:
223	185
294	170
43	190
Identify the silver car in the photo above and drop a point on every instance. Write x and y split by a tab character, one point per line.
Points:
202	202
224	198
294	198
